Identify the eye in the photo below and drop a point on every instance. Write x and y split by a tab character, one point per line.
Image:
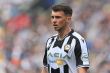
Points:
57	17
52	17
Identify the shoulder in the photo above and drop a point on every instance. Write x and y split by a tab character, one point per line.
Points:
77	36
51	39
79	39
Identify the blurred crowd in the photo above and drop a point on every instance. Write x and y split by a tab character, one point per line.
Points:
25	26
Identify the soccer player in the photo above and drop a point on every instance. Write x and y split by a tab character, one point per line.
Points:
65	52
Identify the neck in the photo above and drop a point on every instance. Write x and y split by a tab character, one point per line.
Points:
64	32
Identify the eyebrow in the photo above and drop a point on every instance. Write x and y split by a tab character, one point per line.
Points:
55	16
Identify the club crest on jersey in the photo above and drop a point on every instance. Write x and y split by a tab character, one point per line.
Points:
67	47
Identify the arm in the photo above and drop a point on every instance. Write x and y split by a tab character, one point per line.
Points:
82	70
45	63
81	54
44	70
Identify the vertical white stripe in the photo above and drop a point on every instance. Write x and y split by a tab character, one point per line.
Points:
65	42
50	48
71	68
83	49
53	42
84	56
61	69
49	42
73	43
50	69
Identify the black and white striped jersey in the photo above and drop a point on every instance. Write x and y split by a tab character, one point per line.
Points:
65	56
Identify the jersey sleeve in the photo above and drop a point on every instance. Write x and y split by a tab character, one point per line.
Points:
81	53
48	43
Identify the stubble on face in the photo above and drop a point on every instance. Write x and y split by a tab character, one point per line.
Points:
58	20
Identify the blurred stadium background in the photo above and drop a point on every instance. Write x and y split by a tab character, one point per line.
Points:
25	27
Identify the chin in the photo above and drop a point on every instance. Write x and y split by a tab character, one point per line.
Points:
56	29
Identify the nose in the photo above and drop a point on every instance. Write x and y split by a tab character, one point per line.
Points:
54	20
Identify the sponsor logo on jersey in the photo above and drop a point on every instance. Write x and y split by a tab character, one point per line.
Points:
59	61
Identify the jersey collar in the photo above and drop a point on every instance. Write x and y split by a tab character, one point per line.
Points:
70	33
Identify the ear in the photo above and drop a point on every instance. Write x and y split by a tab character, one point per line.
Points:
68	18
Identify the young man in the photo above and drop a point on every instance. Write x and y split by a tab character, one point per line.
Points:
65	52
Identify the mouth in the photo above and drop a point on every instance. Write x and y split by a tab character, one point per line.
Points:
56	28
55	25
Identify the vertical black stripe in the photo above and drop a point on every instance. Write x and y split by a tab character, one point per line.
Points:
55	70
46	49
48	68
78	52
53	38
66	68
58	43
45	58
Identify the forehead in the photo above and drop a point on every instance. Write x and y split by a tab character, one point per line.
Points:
60	13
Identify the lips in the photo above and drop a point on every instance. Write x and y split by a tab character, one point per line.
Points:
54	25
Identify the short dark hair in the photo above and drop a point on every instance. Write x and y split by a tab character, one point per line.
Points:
61	7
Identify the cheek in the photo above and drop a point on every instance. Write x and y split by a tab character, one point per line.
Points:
62	22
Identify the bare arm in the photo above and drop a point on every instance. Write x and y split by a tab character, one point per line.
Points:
44	70
82	70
